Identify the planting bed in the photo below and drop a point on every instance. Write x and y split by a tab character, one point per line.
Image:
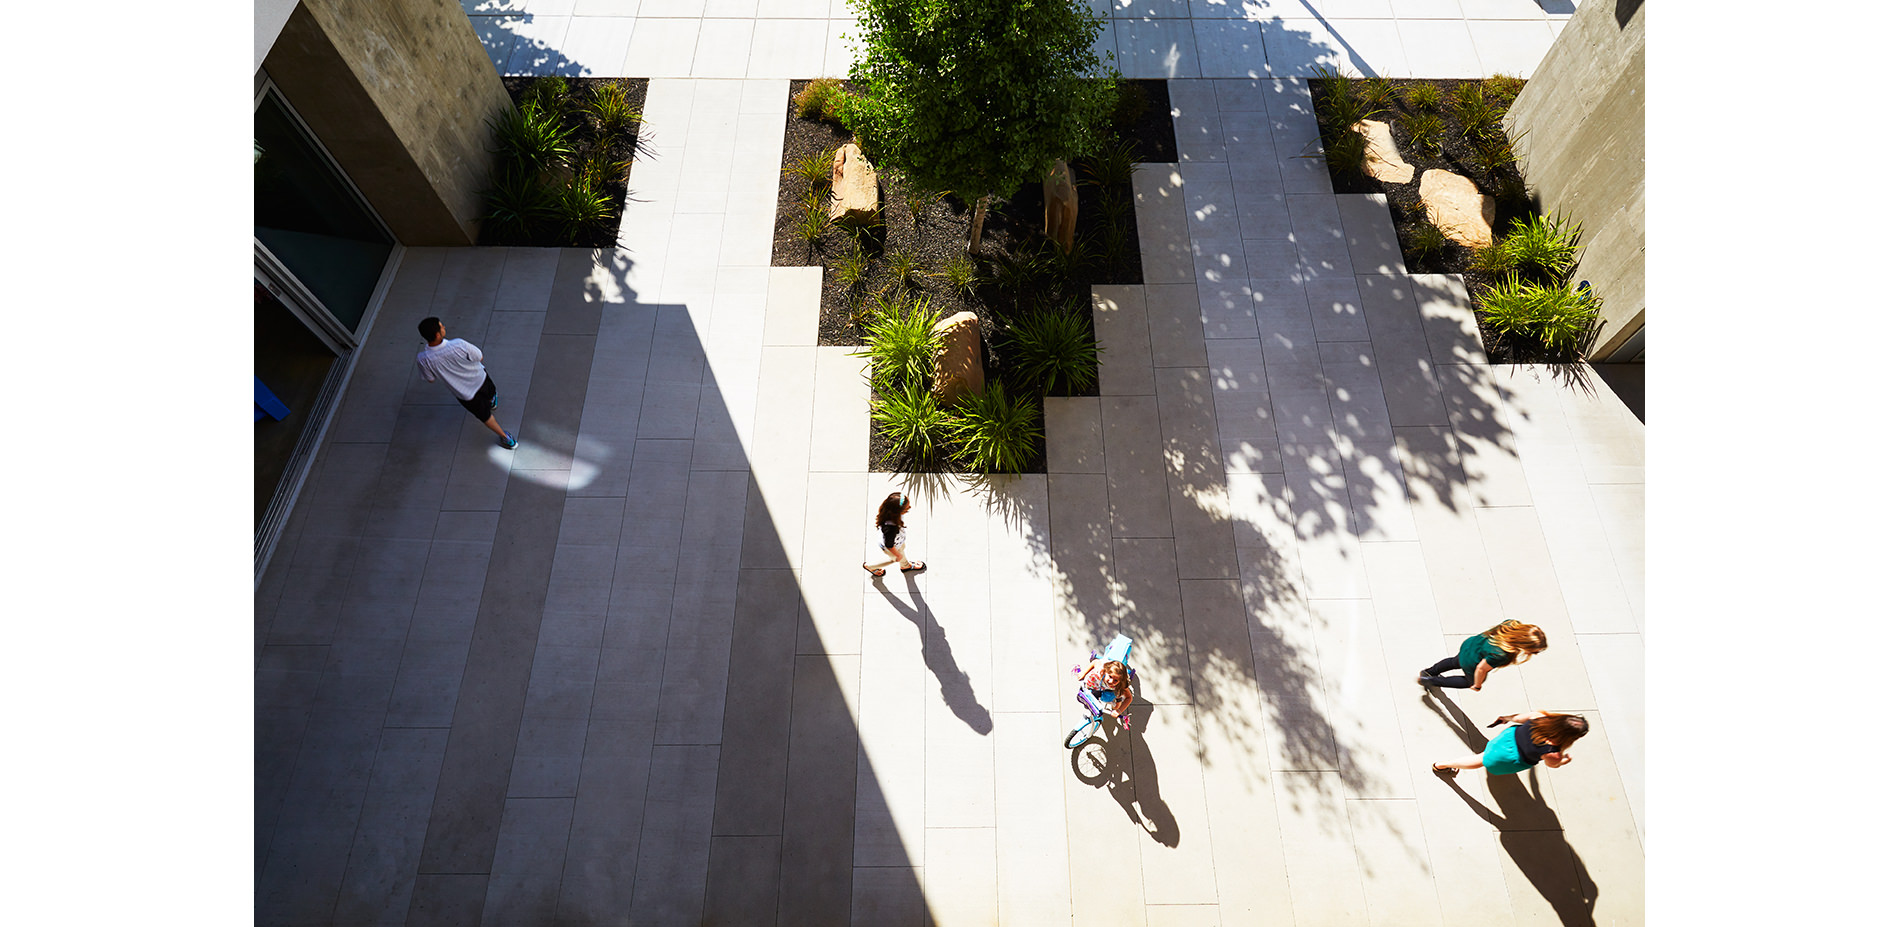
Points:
933	231
1459	151
620	147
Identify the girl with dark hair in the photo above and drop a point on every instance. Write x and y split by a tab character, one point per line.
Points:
888	527
1542	737
1509	643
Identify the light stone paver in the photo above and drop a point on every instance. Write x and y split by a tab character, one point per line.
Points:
1301	481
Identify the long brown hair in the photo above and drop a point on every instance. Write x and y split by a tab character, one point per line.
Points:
891	509
1559	731
1519	638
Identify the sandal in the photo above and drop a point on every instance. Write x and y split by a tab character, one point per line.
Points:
1437	769
913	568
877	572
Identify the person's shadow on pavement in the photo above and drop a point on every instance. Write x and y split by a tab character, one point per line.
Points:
1527	826
952	682
1127	769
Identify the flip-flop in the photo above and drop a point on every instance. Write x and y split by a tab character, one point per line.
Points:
913	568
877	572
1437	769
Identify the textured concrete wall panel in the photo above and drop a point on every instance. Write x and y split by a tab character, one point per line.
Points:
1579	125
400	92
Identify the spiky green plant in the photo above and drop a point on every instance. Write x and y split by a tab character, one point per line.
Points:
1471	110
905	268
1335	101
913	421
1376	94
1561	319
1544	243
850	268
1023	275
1345	152
960	274
996	433
1051	350
814	168
1504	88
548	94
1074	262
1110	167
1493	259
600	168
1492	152
812	223
580	210
530	140
516	208
1423	131
1424	240
1422	97
900	342
611	111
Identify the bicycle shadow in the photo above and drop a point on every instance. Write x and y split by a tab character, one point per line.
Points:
1527	826
1128	773
952	682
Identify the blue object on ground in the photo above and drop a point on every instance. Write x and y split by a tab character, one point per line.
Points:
267	403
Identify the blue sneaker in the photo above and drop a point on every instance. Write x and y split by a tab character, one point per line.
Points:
508	441
494	402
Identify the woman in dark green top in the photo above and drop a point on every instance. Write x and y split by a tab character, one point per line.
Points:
1508	643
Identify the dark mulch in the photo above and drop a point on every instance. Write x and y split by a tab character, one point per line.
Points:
1458	155
936	231
624	147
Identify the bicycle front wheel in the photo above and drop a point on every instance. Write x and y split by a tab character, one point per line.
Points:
1082	733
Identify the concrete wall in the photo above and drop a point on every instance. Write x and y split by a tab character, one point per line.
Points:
1579	124
399	92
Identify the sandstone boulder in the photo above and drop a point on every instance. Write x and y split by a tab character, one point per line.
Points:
959	364
1059	205
1453	203
853	186
1382	161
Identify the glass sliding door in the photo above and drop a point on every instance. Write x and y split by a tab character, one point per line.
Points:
311	219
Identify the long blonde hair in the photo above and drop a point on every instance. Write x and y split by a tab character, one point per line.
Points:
1517	637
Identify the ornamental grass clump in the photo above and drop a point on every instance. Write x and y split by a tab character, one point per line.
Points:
822	100
1051	350
994	432
1563	320
1544	245
912	420
901	343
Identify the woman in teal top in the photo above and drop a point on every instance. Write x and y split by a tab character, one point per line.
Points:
1508	643
1532	738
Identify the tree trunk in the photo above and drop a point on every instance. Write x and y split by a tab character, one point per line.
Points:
976	223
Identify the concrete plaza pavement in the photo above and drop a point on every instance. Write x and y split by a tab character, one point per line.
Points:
631	673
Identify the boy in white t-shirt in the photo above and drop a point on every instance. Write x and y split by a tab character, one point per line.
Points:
458	365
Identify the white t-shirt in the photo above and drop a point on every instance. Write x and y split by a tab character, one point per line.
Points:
457	362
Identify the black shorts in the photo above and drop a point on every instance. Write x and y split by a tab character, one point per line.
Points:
483	404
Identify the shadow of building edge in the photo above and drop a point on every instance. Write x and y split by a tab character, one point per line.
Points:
809	876
823	873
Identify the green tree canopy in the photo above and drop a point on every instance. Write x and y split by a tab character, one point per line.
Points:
978	97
